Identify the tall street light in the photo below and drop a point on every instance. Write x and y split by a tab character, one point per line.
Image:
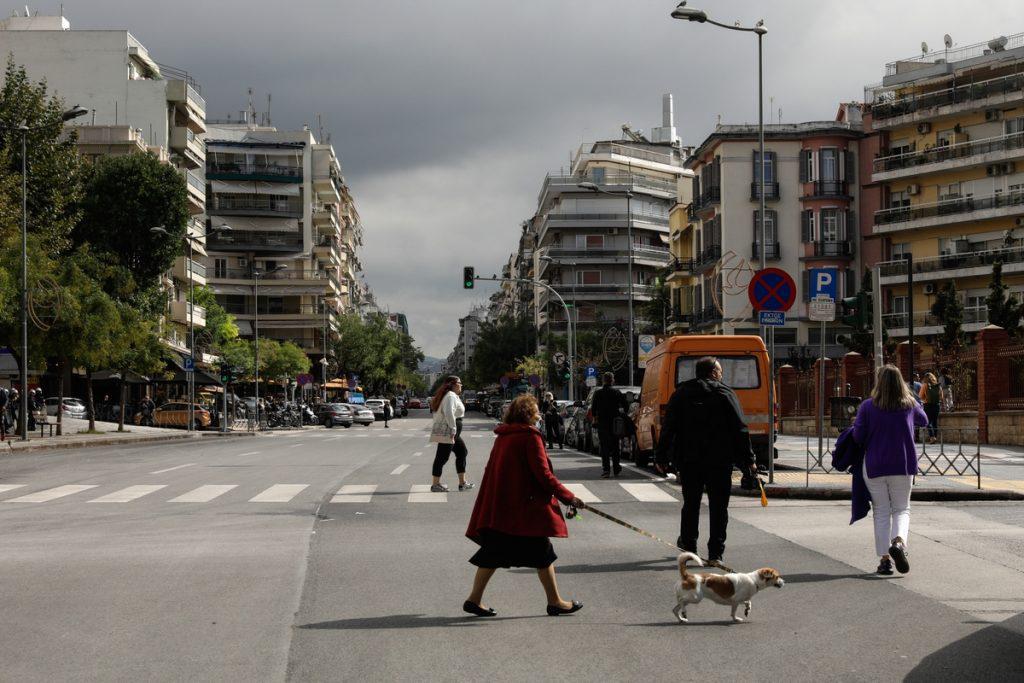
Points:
628	194
192	240
256	275
24	129
572	317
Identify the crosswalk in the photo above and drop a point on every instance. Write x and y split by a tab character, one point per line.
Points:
644	492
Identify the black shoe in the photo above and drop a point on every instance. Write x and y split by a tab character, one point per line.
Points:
605	475
617	471
884	567
555	610
477	610
898	553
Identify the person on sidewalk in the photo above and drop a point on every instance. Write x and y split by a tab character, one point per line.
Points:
608	404
446	431
516	512
554	425
884	426
933	397
389	412
4	398
703	435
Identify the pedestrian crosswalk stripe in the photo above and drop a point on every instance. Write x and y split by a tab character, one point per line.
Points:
129	494
10	487
52	494
171	469
204	494
250	453
296	445
476	436
400	469
583	493
421	493
417	453
279	493
648	493
354	493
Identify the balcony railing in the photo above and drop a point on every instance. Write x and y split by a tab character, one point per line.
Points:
948	206
708	198
625	180
771	191
961	261
195	182
241	203
828	188
834	248
681	265
962	93
975	315
258	171
605	288
625	150
255	239
246	308
637	217
657	253
711	254
198	269
962	150
772	250
246	274
706	316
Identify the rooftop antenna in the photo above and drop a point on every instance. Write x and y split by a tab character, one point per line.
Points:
269	123
320	126
251	112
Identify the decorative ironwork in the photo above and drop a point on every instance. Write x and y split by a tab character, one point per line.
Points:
45	301
616	353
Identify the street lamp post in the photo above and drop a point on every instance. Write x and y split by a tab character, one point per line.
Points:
628	194
573	316
323	361
256	275
24	129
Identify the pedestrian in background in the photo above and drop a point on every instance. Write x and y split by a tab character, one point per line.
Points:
885	428
516	512
608	405
554	425
446	432
947	389
14	400
933	397
4	398
703	435
389	412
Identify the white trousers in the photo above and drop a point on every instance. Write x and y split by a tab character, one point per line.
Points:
890	503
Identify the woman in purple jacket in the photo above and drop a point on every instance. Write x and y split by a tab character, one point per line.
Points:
885	427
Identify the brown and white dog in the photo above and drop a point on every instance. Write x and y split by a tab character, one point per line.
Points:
725	589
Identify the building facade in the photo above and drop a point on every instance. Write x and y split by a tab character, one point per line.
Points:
947	180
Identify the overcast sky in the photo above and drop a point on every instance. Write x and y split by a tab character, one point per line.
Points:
446	114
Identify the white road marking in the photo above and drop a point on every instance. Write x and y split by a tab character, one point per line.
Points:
249	453
421	493
354	493
335	438
171	469
204	494
10	487
648	493
480	436
279	493
52	494
417	453
129	494
400	469
296	445
583	493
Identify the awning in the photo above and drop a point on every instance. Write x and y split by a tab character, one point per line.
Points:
258	224
254	187
244	326
130	377
336	384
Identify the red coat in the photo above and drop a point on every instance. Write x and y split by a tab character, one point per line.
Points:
518	490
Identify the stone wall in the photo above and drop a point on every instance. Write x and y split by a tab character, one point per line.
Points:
1006	427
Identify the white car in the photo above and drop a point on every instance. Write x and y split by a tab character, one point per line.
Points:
73	407
377	406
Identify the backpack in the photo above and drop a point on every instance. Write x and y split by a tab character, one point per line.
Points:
934	393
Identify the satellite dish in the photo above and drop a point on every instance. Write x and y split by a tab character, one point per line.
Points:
948	40
998	44
924	48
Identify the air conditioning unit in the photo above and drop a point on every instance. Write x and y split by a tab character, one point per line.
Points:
243	262
924	128
913	189
1008	168
993	114
929	288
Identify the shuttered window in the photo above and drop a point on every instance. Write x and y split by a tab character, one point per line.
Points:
805	166
806	226
805	285
851	166
769	167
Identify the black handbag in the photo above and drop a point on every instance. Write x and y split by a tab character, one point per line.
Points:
619	426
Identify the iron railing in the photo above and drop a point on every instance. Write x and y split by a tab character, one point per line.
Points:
238	203
949	206
255	239
771	191
828	188
836	248
971	259
908	104
771	251
223	170
940	153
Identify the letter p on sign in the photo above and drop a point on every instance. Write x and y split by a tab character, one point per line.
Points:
823	283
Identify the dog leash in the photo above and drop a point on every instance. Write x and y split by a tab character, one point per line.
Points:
573	512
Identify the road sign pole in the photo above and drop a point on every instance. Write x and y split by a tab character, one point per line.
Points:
771	405
821	398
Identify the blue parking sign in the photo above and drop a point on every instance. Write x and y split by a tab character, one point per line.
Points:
591	371
190	364
823	282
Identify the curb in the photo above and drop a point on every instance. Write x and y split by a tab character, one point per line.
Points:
824	493
129	441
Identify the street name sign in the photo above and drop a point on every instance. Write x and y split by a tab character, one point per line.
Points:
771	289
772	318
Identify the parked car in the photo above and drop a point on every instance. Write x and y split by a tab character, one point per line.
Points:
175	414
470	400
330	414
73	407
377	406
415	403
574	425
361	414
494	406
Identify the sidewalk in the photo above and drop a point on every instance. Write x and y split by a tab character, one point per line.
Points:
74	437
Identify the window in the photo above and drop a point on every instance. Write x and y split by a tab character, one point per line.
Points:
829	166
899	199
588	277
769	167
771	237
738	372
220	267
899	249
806	166
829	225
807	226
901	147
1014	125
598	175
590	241
898	304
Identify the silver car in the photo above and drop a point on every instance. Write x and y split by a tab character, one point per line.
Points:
361	414
73	407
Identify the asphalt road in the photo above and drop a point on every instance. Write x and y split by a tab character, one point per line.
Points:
308	556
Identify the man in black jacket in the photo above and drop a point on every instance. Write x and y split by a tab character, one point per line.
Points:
608	404
703	435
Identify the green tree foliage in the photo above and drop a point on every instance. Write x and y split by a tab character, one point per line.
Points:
125	197
499	347
282	359
1003	311
948	309
219	323
383	358
655	313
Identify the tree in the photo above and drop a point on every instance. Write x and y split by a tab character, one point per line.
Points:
1003	311
656	312
950	311
500	345
126	196
219	323
282	359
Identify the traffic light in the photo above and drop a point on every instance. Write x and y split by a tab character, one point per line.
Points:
850	311
467	277
226	374
566	372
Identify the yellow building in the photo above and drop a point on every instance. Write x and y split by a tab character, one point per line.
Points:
947	180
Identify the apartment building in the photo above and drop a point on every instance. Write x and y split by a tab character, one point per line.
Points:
947	180
135	105
614	189
461	355
284	203
811	195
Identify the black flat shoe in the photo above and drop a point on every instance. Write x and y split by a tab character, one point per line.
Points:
477	610
555	610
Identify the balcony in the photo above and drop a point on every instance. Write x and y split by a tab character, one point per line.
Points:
680	269
771	191
182	267
602	151
192	149
184	92
996	92
614	290
925	323
941	158
655	255
196	187
679	321
284	276
108	140
279	173
329	186
615	182
772	250
832	249
709	257
707	200
828	189
180	313
709	315
954	209
961	265
254	205
255	240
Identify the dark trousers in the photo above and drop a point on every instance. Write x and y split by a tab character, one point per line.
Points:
718	483
932	411
554	434
444	451
609	449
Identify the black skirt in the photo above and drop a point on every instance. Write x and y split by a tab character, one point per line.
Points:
498	550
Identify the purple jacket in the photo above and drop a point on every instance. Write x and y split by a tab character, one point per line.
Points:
888	438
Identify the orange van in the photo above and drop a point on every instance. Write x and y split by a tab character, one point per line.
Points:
744	360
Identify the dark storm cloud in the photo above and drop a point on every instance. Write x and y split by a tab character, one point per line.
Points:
446	114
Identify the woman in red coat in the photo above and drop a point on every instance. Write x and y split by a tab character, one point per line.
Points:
516	513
